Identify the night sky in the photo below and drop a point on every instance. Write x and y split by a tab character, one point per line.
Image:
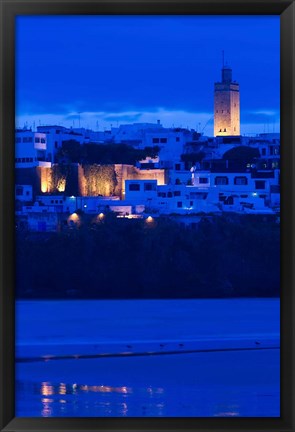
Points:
122	69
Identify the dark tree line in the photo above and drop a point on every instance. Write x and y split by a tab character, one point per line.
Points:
118	258
104	154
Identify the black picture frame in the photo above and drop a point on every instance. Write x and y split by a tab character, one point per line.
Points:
11	8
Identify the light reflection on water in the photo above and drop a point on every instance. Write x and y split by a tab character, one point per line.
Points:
245	383
55	398
62	400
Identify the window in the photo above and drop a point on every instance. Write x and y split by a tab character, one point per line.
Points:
19	191
156	140
177	167
176	193
216	111
179	204
27	193
37	140
260	184
244	196
191	203
229	201
177	139
17	140
221	181
27	139
149	186
56	144
169	195
162	194
263	152
134	187
222	111
203	180
224	130
241	181
163	140
43	141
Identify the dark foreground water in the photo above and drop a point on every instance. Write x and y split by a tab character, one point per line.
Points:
148	358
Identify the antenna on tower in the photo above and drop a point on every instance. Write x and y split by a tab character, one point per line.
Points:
79	113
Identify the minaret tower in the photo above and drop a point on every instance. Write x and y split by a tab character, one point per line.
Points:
226	105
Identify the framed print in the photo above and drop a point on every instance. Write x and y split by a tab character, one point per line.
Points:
147	215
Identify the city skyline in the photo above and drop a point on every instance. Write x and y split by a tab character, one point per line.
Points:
103	71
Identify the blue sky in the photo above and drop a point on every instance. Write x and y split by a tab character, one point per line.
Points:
125	69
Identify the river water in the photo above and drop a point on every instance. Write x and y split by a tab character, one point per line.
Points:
137	358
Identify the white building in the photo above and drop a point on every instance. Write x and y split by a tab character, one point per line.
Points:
30	149
255	191
134	134
55	135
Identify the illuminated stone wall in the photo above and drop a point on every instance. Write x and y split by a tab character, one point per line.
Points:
99	180
92	180
129	172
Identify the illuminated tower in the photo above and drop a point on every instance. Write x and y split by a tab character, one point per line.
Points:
226	105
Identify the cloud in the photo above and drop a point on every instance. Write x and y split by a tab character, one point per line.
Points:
260	116
127	118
